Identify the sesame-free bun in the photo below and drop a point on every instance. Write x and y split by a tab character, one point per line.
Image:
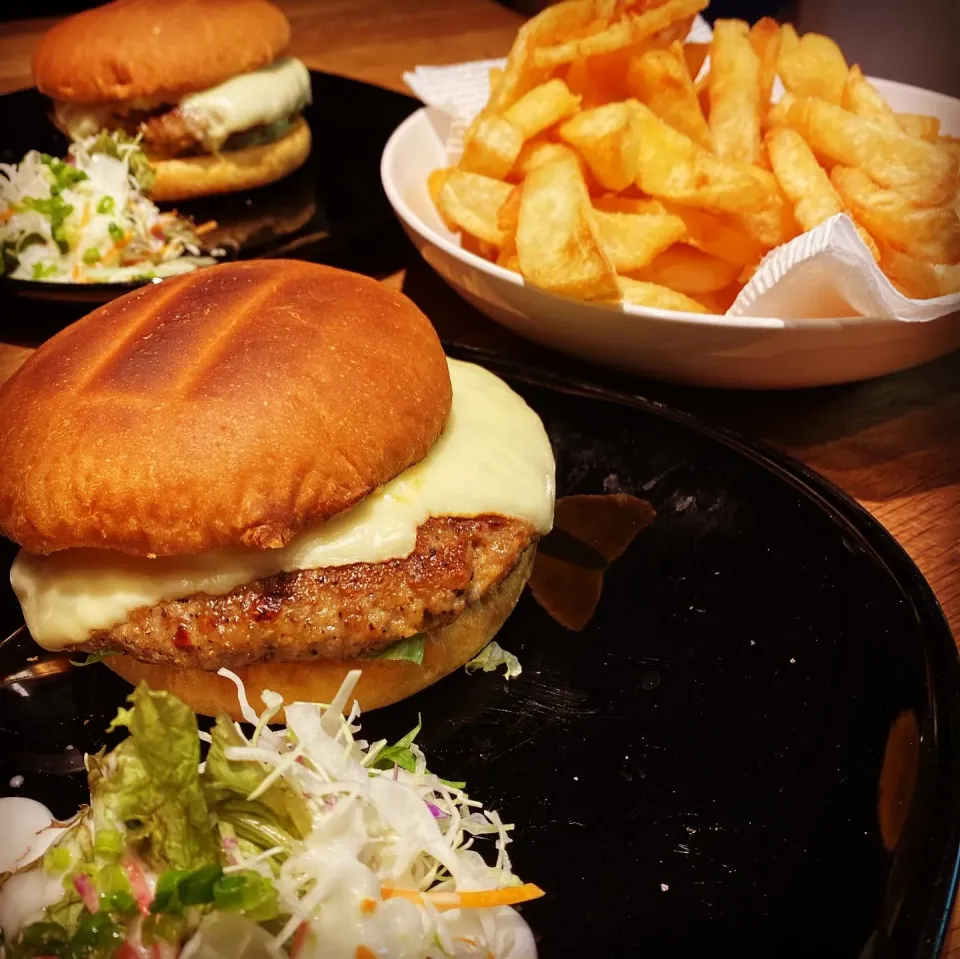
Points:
384	681
184	178
229	406
156	49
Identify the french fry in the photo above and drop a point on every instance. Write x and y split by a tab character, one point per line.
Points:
658	297
695	54
805	183
923	172
734	93
920	126
608	139
494	76
633	240
811	65
629	32
475	245
542	107
672	166
927	233
860	96
718	234
688	270
778	113
617	203
659	78
917	278
765	40
720	301
558	246
775	222
472	202
492	147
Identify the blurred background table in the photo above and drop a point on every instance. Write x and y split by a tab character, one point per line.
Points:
893	444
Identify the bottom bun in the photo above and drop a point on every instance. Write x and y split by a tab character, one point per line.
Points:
384	681
188	177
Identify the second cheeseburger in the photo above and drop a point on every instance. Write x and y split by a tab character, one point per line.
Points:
271	467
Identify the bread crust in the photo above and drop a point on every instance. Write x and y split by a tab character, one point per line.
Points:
383	681
156	49
230	406
184	178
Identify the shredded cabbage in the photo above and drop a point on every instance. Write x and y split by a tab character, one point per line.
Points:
86	220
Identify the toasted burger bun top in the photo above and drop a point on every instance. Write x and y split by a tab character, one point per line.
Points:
231	406
156	49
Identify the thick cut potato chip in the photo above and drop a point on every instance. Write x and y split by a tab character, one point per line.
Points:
734	93
472	202
658	297
542	107
860	96
608	139
928	233
537	152
631	31
659	78
672	166
558	246
473	244
435	182
765	40
720	301
633	240
494	75
805	182
689	270
509	212
618	203
721	235
811	65
923	172
918	278
492	148
918	125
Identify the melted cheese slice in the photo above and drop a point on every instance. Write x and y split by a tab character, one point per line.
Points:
493	457
249	100
264	96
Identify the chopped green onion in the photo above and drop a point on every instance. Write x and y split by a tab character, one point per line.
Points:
109	843
57	859
177	889
247	892
91	255
116	232
42	270
120	902
106	205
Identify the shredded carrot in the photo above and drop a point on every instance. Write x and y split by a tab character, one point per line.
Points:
85	218
299	939
365	952
466	939
205	227
484	899
368	907
5	215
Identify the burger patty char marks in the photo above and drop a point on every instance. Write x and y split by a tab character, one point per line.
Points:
341	612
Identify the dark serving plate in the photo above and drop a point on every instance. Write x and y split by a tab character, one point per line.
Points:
334	200
736	732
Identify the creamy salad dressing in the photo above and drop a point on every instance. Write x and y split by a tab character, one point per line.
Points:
493	457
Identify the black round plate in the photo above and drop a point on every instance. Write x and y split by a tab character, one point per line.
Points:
747	745
335	199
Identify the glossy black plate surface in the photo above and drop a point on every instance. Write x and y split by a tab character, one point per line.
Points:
698	766
334	200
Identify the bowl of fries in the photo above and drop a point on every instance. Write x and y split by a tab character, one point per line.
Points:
621	187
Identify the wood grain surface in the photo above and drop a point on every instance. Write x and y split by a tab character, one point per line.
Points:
893	443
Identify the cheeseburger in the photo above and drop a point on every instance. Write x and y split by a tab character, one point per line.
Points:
202	82
269	467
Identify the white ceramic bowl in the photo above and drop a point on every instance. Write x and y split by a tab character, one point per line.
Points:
750	353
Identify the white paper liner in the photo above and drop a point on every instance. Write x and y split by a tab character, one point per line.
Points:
826	272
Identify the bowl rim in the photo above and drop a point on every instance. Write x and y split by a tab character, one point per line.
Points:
709	320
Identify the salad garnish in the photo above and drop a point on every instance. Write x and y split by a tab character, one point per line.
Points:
300	840
86	219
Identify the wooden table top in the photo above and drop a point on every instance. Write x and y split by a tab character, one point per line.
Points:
893	444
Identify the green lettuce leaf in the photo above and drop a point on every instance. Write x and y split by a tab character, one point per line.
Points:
149	786
110	143
492	656
410	649
399	754
91	658
230	780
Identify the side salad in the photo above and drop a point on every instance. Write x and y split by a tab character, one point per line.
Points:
86	219
302	841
